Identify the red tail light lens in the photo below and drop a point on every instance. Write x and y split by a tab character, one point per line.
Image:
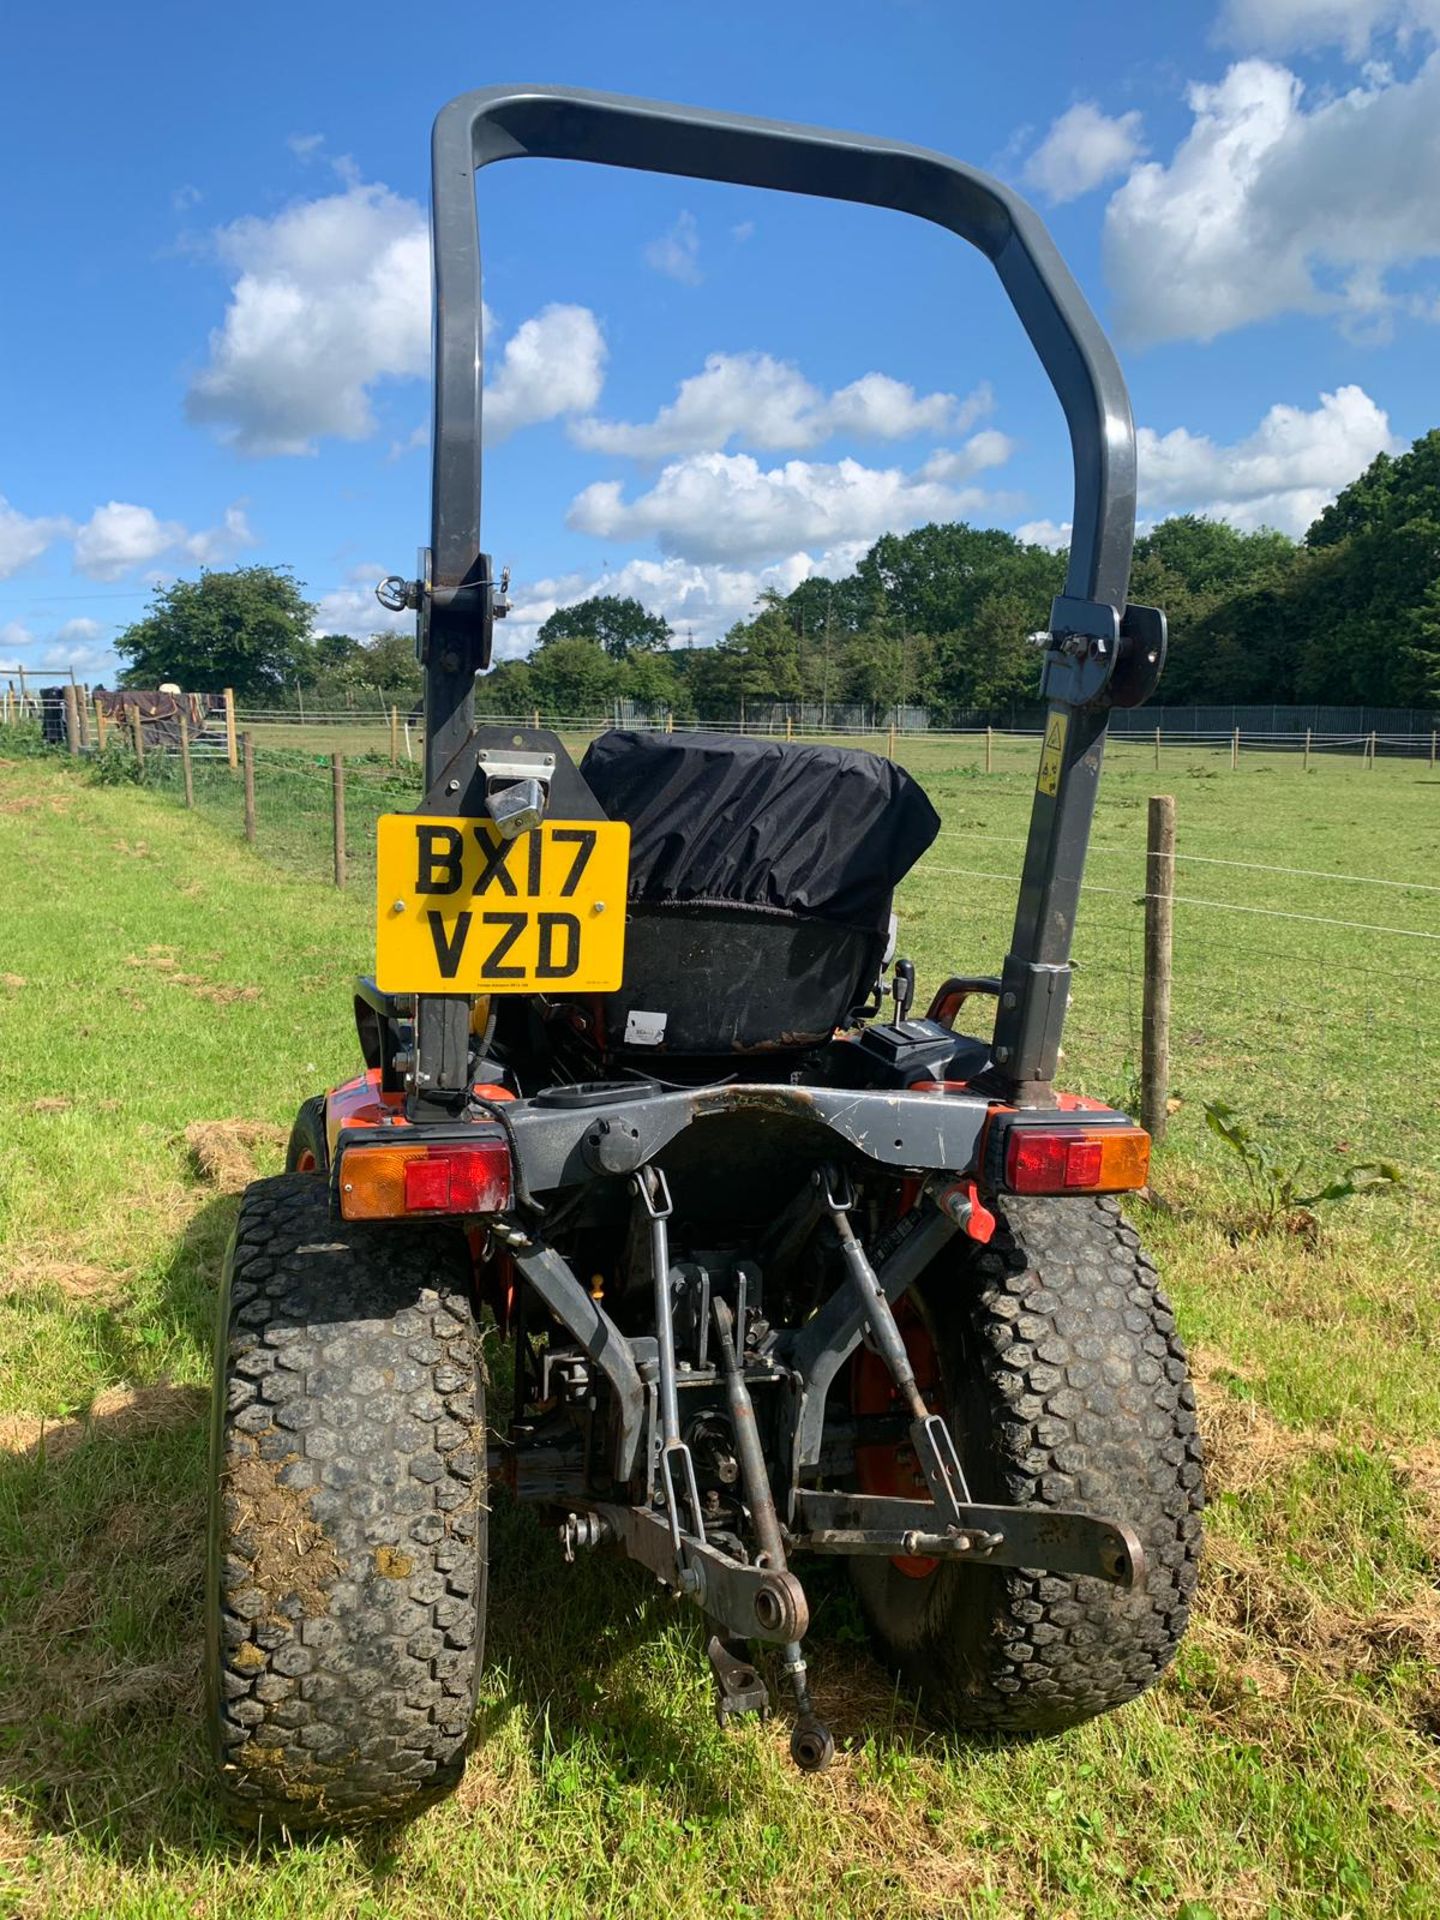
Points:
459	1180
1076	1159
387	1183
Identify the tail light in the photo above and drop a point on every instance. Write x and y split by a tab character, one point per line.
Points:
1075	1159
389	1183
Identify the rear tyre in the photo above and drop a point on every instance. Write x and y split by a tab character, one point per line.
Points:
345	1604
309	1150
1066	1385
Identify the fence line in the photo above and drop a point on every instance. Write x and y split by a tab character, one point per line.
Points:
1300	1037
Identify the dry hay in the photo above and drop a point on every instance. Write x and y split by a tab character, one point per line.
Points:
1246	1447
119	1413
161	961
76	1279
12	982
1419	1473
224	1150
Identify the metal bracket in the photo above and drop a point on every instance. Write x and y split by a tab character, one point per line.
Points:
738	1687
749	1603
1054	1539
929	1435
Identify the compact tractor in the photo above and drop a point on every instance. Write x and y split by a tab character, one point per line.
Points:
786	1268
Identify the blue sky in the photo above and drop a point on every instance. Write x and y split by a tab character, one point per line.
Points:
215	330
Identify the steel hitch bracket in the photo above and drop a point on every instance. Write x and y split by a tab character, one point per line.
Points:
1050	1538
929	1435
674	1459
812	1746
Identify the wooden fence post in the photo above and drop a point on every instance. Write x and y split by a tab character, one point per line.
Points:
185	756
535	720
1235	751
230	727
337	789
1306	767
72	721
100	724
1372	753
890	751
137	730
989	749
1433	732
1159	915
247	742
82	715
1157	749
394	734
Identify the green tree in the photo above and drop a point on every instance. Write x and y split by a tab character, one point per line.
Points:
1370	594
385	663
246	628
573	677
621	626
506	689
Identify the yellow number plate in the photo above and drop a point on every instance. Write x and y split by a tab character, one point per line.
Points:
459	910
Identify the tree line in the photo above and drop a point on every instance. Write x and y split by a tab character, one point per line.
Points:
940	617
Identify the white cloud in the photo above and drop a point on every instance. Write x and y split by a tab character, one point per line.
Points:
676	254
74	644
1290	26
1083	149
353	608
332	296
552	364
1280	476
699	601
1045	533
726	507
120	536
1266	208
331	299
764	402
23	538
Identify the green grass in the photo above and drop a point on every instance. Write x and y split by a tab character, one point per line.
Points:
1288	1764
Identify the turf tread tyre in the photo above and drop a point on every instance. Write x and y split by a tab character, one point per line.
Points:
347	1551
307	1137
1069	1387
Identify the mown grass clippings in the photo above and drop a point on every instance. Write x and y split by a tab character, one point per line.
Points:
224	1150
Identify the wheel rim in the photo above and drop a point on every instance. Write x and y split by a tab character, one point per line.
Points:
889	1466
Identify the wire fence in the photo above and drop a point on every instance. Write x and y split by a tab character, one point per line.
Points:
1304	994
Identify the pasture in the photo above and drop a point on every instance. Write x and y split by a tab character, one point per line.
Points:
156	973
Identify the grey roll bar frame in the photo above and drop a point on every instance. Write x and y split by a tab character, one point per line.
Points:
1099	652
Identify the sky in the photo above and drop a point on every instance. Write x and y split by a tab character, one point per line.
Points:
215	333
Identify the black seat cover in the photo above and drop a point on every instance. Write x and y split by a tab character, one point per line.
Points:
761	876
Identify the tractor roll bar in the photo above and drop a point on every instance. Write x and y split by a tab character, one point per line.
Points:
1100	652
505	123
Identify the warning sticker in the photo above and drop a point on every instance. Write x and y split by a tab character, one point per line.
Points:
1057	724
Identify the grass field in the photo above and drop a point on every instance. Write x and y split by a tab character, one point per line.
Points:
154	973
